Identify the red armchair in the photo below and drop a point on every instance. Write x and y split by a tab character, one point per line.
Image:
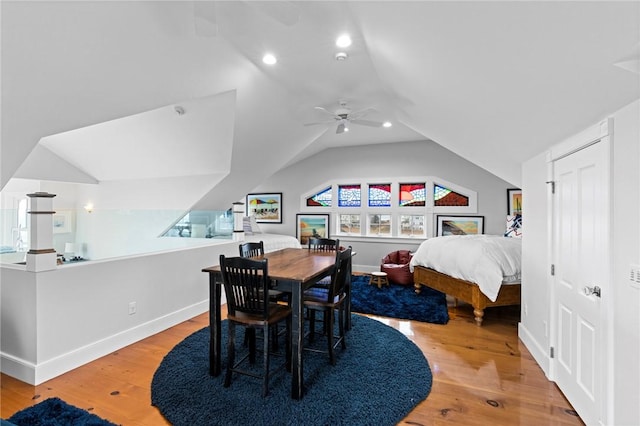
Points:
396	265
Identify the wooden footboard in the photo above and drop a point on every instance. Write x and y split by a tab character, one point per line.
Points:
464	290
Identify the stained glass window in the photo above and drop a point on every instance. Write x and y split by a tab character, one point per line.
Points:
350	224
412	194
380	195
380	224
349	196
321	199
445	197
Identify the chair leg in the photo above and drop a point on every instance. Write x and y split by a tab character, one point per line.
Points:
329	331
252	344
288	345
231	343
312	325
266	348
341	326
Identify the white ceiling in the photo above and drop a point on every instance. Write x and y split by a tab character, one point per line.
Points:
495	82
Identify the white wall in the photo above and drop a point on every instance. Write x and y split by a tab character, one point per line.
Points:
626	251
623	389
57	320
534	318
382	161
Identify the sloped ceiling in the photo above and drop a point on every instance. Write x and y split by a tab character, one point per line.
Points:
495	82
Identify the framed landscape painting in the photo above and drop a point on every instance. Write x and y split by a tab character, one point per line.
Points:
514	202
265	207
459	225
311	225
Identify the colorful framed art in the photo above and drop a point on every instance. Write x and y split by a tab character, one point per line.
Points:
514	201
459	225
265	207
311	225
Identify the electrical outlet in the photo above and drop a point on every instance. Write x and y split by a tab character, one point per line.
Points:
634	275
132	308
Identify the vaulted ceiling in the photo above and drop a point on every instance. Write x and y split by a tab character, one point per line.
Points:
90	89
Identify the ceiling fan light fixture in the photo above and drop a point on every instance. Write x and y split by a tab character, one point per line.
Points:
269	59
343	41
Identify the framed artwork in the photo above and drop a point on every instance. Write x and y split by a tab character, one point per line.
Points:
62	222
311	225
514	201
265	207
459	225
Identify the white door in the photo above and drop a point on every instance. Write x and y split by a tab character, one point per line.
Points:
581	264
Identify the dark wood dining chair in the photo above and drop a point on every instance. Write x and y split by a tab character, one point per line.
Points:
327	300
251	249
246	284
329	244
323	244
255	249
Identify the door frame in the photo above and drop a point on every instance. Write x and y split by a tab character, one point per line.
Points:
599	133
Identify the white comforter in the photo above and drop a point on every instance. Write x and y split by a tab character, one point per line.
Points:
273	242
486	260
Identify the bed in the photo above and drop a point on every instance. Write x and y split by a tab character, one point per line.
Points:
273	242
482	270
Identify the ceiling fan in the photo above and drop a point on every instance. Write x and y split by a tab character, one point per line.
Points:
344	116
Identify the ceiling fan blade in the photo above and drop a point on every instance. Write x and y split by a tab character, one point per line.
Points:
324	110
317	122
204	17
367	123
340	129
361	112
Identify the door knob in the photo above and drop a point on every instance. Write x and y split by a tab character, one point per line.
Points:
588	291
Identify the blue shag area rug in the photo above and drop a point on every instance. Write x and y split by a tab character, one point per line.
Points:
377	380
55	412
398	301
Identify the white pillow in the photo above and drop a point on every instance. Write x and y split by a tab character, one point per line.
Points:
250	225
246	225
254	225
514	226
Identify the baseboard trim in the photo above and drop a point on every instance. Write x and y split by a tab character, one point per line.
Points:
538	353
35	374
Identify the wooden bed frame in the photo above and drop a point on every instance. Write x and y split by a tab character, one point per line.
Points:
464	290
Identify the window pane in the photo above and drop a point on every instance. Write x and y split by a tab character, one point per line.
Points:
445	197
350	224
412	225
380	224
380	195
413	194
321	199
349	196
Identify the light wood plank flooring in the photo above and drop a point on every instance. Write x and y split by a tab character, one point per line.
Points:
481	376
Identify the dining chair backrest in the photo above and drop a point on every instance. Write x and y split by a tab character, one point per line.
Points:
246	284
324	244
251	249
340	276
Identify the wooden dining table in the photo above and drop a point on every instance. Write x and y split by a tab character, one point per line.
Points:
294	270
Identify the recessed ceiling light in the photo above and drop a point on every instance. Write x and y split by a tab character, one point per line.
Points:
269	59
341	56
343	41
387	124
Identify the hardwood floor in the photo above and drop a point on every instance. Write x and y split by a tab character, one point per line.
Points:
481	375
